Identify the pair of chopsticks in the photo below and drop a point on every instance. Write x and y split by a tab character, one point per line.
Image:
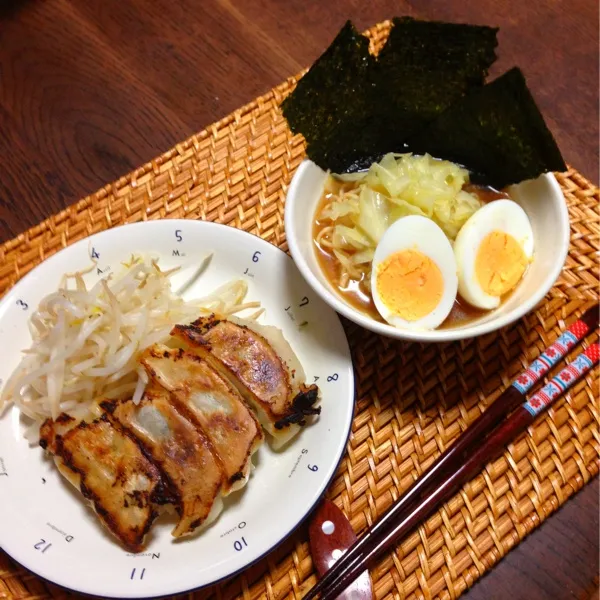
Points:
506	418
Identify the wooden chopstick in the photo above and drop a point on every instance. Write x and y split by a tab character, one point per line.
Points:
454	467
493	445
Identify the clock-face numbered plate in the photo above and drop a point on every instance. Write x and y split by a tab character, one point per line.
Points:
45	524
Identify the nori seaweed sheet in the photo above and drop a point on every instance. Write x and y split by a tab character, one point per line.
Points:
332	92
352	107
331	105
423	68
496	131
423	93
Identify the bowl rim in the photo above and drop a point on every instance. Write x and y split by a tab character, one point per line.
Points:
435	335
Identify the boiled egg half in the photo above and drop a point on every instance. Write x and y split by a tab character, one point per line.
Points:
413	280
493	250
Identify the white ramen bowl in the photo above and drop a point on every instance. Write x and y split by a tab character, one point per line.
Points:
542	200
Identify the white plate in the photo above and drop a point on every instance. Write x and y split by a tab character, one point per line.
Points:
45	525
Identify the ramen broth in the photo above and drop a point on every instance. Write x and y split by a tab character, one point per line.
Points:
356	294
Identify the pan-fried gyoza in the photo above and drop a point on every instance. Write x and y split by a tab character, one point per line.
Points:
260	363
182	451
189	440
221	412
125	489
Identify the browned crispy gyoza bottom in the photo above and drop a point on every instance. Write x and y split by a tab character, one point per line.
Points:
190	439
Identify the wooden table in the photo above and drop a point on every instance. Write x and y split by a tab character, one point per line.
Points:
90	90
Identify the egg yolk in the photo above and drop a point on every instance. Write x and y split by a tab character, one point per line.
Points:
500	263
410	284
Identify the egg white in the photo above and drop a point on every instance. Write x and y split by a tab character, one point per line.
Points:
422	234
500	215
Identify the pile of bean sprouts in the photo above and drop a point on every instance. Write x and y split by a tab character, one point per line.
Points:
86	339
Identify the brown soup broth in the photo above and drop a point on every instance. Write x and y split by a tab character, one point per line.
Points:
357	295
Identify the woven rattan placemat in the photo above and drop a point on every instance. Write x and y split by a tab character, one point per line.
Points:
412	400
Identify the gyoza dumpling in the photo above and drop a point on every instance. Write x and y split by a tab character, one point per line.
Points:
182	451
260	363
224	417
108	466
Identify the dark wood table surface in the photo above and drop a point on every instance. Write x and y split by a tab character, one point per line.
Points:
90	90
